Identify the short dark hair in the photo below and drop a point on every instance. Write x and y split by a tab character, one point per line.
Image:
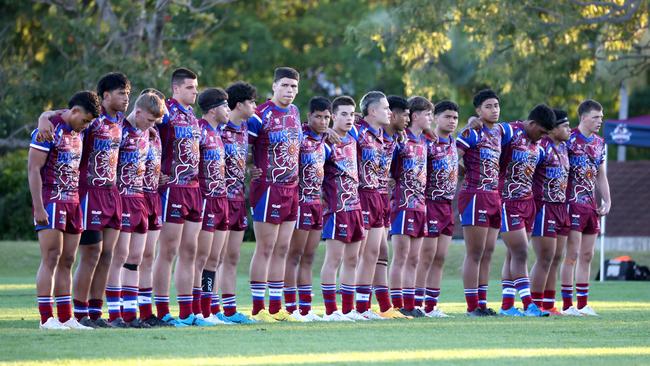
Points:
87	100
397	102
153	90
239	92
179	75
542	115
561	116
285	72
342	100
588	106
112	81
484	95
212	98
445	105
319	104
370	98
417	104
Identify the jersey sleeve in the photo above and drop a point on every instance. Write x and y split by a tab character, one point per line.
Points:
40	144
328	151
354	132
542	155
165	119
467	139
254	125
506	133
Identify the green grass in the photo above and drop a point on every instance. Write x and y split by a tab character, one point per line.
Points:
620	335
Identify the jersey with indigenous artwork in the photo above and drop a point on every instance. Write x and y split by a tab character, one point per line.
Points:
552	172
133	160
370	150
482	149
60	174
586	154
341	177
386	158
519	157
152	163
235	143
312	158
275	134
180	134
212	166
409	169
100	152
442	169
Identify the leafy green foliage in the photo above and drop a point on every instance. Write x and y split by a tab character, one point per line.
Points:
15	201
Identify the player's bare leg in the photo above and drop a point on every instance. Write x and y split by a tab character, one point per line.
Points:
365	271
130	279
100	276
184	271
475	255
427	253
305	269
278	261
113	283
484	270
434	277
568	267
266	236
401	247
170	240
544	252
409	274
214	260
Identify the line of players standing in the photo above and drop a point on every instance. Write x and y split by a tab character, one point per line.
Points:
117	185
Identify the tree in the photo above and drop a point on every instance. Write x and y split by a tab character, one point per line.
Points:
551	51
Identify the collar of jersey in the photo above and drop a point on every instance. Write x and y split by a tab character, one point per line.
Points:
108	116
234	126
367	125
178	105
312	134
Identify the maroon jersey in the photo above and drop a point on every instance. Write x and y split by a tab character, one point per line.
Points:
60	174
552	173
212	165
519	156
180	134
311	170
442	169
482	150
152	163
235	142
341	181
386	158
100	152
586	154
409	169
275	134
370	149
132	160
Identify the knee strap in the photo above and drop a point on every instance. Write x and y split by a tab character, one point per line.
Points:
130	267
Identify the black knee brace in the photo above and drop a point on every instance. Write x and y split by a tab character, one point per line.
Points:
130	267
207	280
90	237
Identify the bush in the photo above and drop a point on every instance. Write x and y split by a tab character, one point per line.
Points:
15	201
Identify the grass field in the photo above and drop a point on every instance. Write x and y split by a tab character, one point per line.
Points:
621	335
